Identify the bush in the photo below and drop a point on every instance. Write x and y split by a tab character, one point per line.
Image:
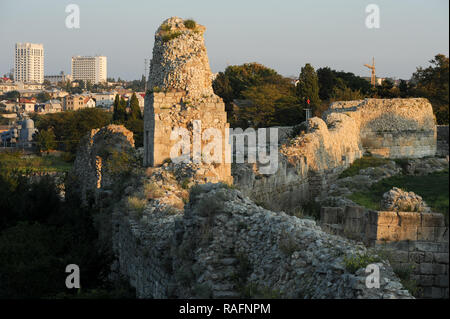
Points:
170	36
185	183
190	24
152	191
136	205
358	261
166	28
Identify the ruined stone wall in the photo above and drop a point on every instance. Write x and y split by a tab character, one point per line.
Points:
221	245
224	246
166	111
418	240
91	171
182	97
393	128
180	60
142	250
307	164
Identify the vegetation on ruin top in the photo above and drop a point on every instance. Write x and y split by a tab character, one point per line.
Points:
169	32
190	24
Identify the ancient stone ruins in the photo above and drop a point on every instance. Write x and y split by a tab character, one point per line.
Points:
176	232
182	96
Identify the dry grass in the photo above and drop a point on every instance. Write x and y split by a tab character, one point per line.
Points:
152	191
136	205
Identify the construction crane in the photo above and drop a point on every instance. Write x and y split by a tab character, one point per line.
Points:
373	79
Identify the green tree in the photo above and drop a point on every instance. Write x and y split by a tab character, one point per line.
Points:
242	77
432	83
135	122
327	81
403	88
43	97
270	105
135	110
342	92
45	140
12	95
136	125
119	110
82	84
89	85
258	84
308	86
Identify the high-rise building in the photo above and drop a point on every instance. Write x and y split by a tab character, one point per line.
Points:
29	63
89	68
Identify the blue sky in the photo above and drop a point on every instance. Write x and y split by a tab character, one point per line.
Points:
283	34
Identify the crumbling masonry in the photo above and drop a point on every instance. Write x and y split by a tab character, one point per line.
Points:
181	96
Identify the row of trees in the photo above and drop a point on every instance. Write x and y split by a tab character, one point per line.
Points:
275	100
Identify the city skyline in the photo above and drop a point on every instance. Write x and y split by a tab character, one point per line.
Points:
281	36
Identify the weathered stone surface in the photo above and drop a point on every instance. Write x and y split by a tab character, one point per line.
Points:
180	63
224	244
306	164
398	200
182	98
92	167
393	128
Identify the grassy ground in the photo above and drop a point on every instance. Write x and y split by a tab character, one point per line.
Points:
362	163
433	188
33	163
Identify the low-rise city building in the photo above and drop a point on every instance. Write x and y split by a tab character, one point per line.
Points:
78	101
51	106
55	79
27	105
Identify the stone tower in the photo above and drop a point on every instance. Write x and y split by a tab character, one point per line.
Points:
181	96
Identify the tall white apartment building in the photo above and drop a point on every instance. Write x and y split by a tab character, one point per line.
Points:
29	63
89	68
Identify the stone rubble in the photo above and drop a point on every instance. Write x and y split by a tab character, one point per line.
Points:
399	200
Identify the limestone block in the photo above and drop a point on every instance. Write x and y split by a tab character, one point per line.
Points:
441	258
407	219
355	212
387	218
426	280
426	268
441	281
426	233
438	269
433	220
